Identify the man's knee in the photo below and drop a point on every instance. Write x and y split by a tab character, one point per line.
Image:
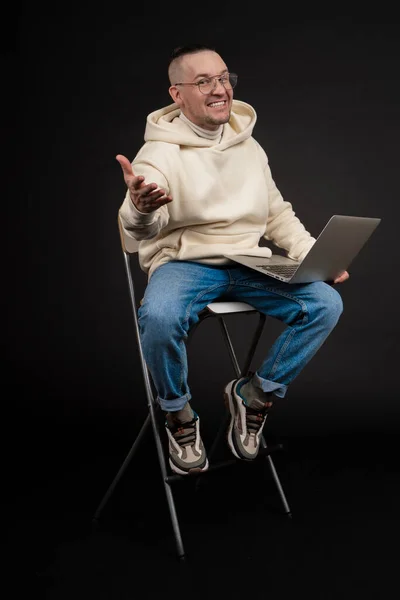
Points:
332	305
160	319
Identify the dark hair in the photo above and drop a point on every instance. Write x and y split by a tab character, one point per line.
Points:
191	49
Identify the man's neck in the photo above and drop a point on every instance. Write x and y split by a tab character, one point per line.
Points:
200	131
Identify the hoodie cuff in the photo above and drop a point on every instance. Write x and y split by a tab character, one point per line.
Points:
140	217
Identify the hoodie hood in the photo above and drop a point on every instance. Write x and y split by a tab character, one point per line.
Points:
164	125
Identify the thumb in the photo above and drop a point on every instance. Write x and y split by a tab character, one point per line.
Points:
125	165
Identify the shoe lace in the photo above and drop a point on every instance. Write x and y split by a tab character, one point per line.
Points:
255	417
184	433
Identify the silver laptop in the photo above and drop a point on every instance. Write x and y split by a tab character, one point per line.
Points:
335	248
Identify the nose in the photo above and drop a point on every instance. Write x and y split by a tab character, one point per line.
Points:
218	86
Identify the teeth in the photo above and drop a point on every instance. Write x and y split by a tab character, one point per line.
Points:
217	103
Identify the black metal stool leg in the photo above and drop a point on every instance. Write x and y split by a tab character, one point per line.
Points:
271	466
150	418
168	492
121	470
161	459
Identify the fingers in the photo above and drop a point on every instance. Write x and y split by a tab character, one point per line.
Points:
149	189
131	180
152	206
148	194
125	165
343	277
150	199
161	202
146	197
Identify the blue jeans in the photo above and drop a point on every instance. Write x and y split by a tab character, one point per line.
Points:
179	290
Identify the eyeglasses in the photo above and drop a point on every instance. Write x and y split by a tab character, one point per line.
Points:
208	84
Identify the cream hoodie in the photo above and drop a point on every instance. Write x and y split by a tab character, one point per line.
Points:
224	197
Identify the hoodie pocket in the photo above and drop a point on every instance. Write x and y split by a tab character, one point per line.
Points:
170	244
195	244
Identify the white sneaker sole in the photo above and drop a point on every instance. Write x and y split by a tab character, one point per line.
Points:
229	403
190	471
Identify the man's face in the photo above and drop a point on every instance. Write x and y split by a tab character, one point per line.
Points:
205	110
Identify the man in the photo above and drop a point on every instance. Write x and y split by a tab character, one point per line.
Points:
200	188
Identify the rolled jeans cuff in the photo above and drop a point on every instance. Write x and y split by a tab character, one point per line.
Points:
174	404
278	389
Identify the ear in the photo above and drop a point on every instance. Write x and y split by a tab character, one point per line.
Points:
175	94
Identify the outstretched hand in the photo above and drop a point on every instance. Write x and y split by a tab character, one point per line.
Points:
146	197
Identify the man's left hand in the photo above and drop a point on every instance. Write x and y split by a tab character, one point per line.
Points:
342	277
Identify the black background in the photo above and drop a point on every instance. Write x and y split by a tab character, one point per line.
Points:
80	85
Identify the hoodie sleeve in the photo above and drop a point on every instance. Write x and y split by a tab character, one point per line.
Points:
284	229
138	225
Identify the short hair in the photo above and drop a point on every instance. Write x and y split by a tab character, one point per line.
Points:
179	52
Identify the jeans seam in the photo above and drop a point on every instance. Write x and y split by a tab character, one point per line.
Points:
200	295
281	352
279	293
182	369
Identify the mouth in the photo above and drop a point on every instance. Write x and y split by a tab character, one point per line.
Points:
219	104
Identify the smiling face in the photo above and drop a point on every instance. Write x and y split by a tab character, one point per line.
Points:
205	110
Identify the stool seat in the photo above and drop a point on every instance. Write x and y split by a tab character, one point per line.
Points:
223	308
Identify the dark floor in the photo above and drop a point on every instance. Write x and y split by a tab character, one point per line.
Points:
342	541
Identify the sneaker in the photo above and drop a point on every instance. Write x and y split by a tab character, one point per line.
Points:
186	449
248	407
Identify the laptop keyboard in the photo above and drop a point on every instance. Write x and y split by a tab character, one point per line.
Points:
284	270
